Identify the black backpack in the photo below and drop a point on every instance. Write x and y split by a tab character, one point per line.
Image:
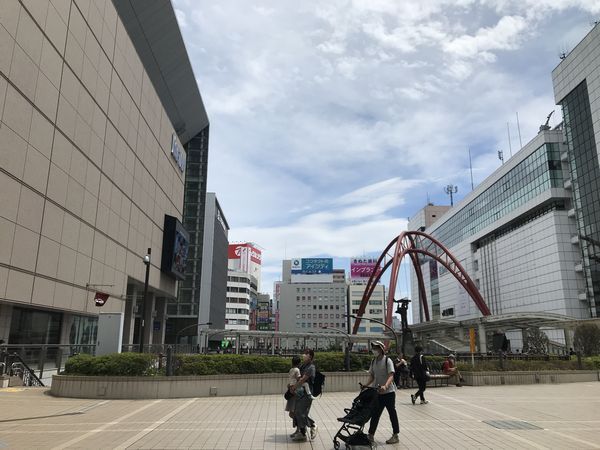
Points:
317	385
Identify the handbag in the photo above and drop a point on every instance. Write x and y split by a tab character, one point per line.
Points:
427	375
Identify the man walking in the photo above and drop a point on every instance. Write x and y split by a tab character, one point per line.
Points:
381	373
303	390
420	372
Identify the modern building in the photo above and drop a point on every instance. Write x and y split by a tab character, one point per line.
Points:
246	257
514	235
310	300
576	81
261	318
99	102
206	307
375	309
241	298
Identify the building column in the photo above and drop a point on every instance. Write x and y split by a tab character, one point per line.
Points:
568	339
482	338
65	330
148	319
129	317
460	332
6	311
159	322
524	339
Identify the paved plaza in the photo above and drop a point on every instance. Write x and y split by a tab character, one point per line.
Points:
564	416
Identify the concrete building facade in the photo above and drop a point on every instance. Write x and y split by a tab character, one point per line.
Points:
576	83
513	234
90	164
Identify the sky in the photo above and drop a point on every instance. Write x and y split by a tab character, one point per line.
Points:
333	122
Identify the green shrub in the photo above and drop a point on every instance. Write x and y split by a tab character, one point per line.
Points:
115	364
527	365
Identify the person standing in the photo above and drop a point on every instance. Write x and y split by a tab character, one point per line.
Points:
293	377
381	373
420	372
303	390
449	368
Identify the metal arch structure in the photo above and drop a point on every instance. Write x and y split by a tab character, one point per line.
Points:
413	244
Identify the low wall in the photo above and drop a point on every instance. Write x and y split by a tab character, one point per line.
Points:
539	377
265	384
190	386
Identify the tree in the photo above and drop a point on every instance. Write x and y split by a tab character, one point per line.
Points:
536	342
587	339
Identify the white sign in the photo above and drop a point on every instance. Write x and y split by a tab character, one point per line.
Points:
177	153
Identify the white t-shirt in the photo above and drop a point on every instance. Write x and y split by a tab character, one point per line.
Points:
380	369
293	375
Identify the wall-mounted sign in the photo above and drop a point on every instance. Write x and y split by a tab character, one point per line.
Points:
178	153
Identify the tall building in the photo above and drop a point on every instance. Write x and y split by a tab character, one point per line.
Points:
361	269
99	103
241	298
207	306
312	295
513	234
246	257
576	81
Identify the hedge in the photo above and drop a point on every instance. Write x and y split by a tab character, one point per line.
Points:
115	364
528	365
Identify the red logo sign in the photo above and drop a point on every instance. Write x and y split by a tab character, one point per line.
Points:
239	251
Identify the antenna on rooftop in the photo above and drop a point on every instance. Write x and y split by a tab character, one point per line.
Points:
509	144
501	156
519	129
470	167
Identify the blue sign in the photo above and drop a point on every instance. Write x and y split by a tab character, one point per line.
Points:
312	266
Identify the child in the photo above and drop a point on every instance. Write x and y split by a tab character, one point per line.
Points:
293	377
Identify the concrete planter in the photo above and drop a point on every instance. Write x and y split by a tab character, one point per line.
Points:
538	377
190	386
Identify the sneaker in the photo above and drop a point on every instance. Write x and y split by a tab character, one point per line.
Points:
371	438
295	433
393	440
299	438
313	432
424	402
458	385
413	399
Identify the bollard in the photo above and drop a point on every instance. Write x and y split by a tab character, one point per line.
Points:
169	361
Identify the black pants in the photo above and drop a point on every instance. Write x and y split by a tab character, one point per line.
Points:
301	412
387	401
422	383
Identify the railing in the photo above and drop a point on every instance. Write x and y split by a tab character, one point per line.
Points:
39	359
20	369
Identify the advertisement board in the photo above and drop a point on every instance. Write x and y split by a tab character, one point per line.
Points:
312	266
362	267
247	250
176	243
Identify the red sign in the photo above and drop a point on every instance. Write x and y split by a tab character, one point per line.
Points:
100	299
237	251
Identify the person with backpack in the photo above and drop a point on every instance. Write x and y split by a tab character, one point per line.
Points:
381	372
304	390
420	372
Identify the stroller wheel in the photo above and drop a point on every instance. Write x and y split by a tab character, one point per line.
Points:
336	444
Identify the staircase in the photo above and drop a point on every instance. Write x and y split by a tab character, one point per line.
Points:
447	344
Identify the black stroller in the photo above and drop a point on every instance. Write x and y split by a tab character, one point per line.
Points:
351	432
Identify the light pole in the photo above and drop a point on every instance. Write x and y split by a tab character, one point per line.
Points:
354	316
346	348
188	327
402	310
143	309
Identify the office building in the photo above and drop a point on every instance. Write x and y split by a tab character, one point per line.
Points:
576	80
514	235
99	102
241	297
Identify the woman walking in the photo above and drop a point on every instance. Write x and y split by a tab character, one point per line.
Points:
420	372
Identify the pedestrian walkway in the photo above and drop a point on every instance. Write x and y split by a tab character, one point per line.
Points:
499	417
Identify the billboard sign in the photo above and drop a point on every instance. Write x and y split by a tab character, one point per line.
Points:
176	242
362	267
312	266
242	251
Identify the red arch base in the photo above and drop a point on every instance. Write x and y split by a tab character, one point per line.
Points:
413	244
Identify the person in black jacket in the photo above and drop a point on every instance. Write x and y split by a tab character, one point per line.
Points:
420	372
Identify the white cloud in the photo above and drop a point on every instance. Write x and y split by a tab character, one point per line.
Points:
331	121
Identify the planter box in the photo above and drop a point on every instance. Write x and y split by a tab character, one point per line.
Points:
190	386
537	377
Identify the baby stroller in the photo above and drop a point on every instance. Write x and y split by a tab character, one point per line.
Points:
351	432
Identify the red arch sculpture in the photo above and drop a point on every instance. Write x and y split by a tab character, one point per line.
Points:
413	244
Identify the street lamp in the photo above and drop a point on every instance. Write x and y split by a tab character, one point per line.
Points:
143	308
346	349
354	316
